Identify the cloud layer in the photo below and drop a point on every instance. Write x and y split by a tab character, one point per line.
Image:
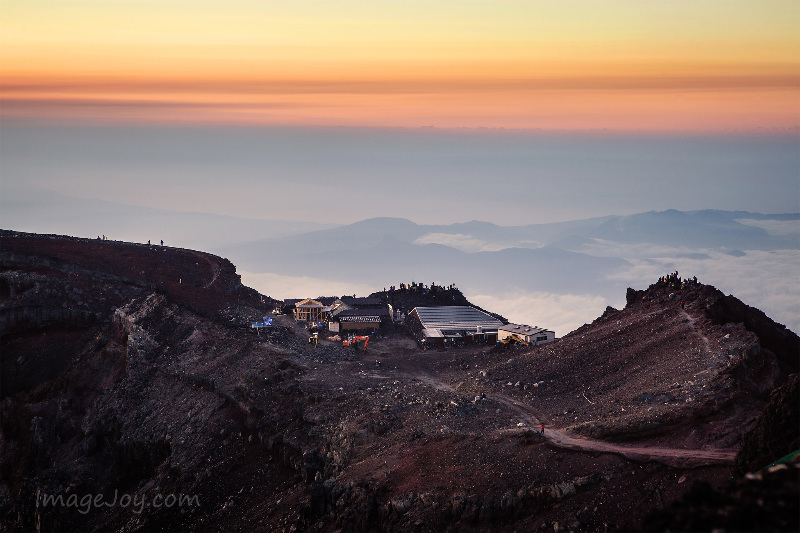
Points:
561	313
460	241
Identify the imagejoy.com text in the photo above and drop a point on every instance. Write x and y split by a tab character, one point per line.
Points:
85	503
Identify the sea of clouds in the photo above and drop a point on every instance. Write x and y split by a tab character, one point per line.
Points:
767	280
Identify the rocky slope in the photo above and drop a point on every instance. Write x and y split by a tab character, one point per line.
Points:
128	371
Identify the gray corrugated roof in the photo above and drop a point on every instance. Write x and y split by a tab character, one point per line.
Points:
521	328
458	317
363	312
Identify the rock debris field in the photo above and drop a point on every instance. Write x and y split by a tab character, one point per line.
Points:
144	378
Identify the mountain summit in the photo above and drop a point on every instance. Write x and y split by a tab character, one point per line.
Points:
136	396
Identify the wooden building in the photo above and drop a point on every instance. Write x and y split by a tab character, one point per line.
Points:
309	310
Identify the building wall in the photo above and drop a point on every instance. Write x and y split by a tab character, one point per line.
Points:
503	334
549	336
349	326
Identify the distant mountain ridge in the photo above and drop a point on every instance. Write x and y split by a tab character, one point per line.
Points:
708	228
572	256
595	258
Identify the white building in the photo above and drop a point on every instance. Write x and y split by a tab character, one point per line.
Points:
530	334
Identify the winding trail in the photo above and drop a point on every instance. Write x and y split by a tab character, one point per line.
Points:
678	457
213	266
692	320
670	456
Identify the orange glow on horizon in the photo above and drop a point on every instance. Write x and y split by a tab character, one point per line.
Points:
703	66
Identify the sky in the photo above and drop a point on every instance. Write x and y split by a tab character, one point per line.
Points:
439	111
682	65
343	175
121	117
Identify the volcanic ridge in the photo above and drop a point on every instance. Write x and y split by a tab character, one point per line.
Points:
132	370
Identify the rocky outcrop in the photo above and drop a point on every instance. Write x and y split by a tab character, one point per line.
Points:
775	337
724	309
766	501
160	390
777	431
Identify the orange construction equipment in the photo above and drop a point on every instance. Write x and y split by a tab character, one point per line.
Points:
353	341
514	339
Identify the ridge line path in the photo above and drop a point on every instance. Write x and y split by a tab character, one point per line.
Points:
670	456
678	457
692	320
212	265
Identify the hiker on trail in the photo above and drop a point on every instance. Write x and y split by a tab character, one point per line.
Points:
162	242
541	429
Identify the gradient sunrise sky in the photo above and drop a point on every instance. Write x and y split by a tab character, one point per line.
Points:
679	65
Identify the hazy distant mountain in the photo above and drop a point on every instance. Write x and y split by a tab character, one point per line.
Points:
706	229
599	256
747	253
718	230
395	261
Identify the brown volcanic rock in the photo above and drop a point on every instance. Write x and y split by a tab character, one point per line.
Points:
135	384
114	377
777	432
763	501
658	366
95	271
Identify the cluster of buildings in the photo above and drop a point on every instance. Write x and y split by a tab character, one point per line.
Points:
343	315
437	326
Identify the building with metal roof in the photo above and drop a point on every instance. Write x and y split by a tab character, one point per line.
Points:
456	323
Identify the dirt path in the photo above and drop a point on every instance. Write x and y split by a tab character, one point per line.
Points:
692	320
670	456
678	457
212	265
